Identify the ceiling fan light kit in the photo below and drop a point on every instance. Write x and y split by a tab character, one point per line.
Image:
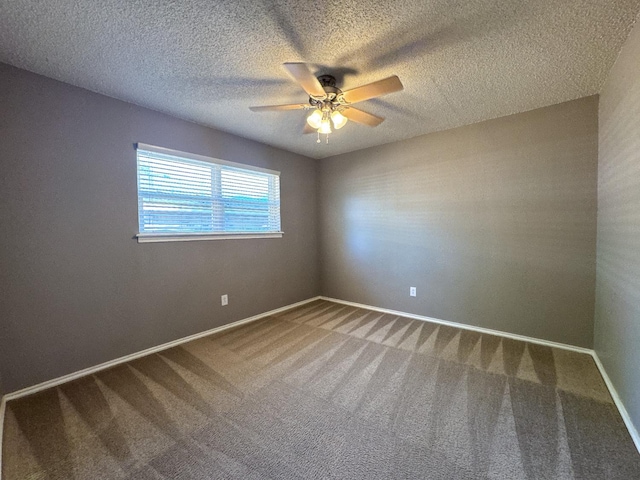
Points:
330	104
315	119
321	120
325	126
338	119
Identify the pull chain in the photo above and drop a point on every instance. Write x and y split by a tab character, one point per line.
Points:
326	138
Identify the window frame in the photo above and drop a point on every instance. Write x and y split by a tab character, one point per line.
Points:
143	237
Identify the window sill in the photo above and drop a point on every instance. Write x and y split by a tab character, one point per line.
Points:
190	237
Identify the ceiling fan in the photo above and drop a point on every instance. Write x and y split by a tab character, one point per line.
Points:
331	105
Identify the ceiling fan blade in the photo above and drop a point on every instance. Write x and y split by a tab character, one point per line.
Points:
364	118
308	129
301	74
294	106
372	90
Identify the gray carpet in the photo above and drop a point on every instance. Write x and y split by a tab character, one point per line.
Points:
328	391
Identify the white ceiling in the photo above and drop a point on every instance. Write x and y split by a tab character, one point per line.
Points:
208	61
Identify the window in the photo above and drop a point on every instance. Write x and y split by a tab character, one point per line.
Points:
183	196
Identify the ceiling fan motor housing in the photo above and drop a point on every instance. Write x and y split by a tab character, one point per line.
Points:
327	80
333	99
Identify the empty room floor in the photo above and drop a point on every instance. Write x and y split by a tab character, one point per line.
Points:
328	391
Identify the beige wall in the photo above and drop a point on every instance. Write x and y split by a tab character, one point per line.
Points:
77	289
617	318
494	223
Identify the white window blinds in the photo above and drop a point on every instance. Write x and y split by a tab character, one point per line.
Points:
185	194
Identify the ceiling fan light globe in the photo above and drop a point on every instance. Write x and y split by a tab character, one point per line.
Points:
338	119
315	119
325	127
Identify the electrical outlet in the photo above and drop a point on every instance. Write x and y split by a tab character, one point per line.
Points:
224	299
412	291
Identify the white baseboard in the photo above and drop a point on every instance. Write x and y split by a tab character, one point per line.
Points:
614	394
3	403
618	401
88	371
111	363
463	326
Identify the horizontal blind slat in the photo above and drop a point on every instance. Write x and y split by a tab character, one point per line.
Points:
177	195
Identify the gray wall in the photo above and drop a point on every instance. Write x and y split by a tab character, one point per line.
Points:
617	319
494	223
77	289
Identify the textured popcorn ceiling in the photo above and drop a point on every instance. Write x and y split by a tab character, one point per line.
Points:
207	61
